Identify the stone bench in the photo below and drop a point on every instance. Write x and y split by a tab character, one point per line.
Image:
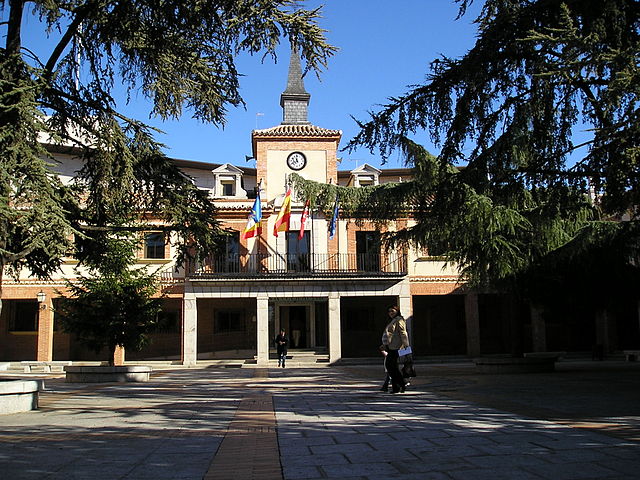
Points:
106	374
47	367
631	355
555	355
19	395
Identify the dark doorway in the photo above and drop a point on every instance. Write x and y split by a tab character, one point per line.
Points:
293	319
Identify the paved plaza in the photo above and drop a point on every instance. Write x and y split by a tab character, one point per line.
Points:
581	422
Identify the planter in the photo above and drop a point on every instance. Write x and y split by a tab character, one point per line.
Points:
107	374
19	395
508	364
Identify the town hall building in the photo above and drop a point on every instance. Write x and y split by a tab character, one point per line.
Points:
329	292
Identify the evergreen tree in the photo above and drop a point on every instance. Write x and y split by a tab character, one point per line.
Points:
178	54
115	304
539	135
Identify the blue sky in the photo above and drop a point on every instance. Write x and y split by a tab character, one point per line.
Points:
384	47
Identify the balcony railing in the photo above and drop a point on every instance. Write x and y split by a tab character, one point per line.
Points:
302	265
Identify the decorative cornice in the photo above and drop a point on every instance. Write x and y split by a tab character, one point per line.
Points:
297	131
439	279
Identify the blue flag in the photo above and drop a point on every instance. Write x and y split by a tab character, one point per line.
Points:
334	220
254	222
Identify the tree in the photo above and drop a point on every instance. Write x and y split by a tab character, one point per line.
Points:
179	55
115	304
539	135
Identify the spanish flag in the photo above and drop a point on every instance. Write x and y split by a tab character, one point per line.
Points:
254	223
282	222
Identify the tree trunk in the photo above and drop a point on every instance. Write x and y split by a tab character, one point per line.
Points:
16	8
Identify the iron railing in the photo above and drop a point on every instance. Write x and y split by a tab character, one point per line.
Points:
297	265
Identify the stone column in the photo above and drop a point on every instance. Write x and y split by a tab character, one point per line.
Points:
606	331
538	329
118	356
45	331
335	340
262	329
404	302
189	330
472	320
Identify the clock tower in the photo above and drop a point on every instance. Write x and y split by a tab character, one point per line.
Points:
294	146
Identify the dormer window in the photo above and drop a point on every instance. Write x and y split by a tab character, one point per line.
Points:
365	176
228	186
227	182
366	181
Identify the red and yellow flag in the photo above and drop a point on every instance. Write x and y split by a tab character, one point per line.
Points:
282	222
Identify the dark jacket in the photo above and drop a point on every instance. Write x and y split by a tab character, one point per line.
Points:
282	341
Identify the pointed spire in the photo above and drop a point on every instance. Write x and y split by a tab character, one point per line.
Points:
295	99
295	83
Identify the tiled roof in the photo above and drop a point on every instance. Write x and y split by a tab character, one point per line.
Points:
296	131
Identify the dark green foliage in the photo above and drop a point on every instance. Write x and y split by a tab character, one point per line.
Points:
542	113
180	55
115	304
34	227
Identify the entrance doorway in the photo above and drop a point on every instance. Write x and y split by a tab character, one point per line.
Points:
295	321
306	323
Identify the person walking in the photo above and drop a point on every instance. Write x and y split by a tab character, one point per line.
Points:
387	378
394	337
282	341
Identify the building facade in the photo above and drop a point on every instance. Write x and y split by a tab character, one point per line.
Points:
330	292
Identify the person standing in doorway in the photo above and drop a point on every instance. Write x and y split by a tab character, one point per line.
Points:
394	338
282	341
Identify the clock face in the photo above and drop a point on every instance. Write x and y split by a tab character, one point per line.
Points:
296	161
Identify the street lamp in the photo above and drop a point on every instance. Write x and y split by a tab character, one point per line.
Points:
42	297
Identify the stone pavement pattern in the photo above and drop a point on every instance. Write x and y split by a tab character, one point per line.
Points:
216	423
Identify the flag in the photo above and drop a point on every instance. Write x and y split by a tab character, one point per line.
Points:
303	219
282	222
254	222
334	220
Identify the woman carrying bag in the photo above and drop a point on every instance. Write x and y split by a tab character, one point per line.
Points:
394	338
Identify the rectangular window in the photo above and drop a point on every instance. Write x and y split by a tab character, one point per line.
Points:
232	253
298	252
154	245
227	189
168	321
366	181
23	316
228	321
368	251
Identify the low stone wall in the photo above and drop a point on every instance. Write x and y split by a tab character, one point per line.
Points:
19	395
106	374
508	364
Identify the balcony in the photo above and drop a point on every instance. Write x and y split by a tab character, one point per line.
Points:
265	266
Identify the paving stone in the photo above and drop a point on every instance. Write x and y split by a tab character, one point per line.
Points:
339	471
173	427
572	471
294	472
341	448
328	459
494	474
